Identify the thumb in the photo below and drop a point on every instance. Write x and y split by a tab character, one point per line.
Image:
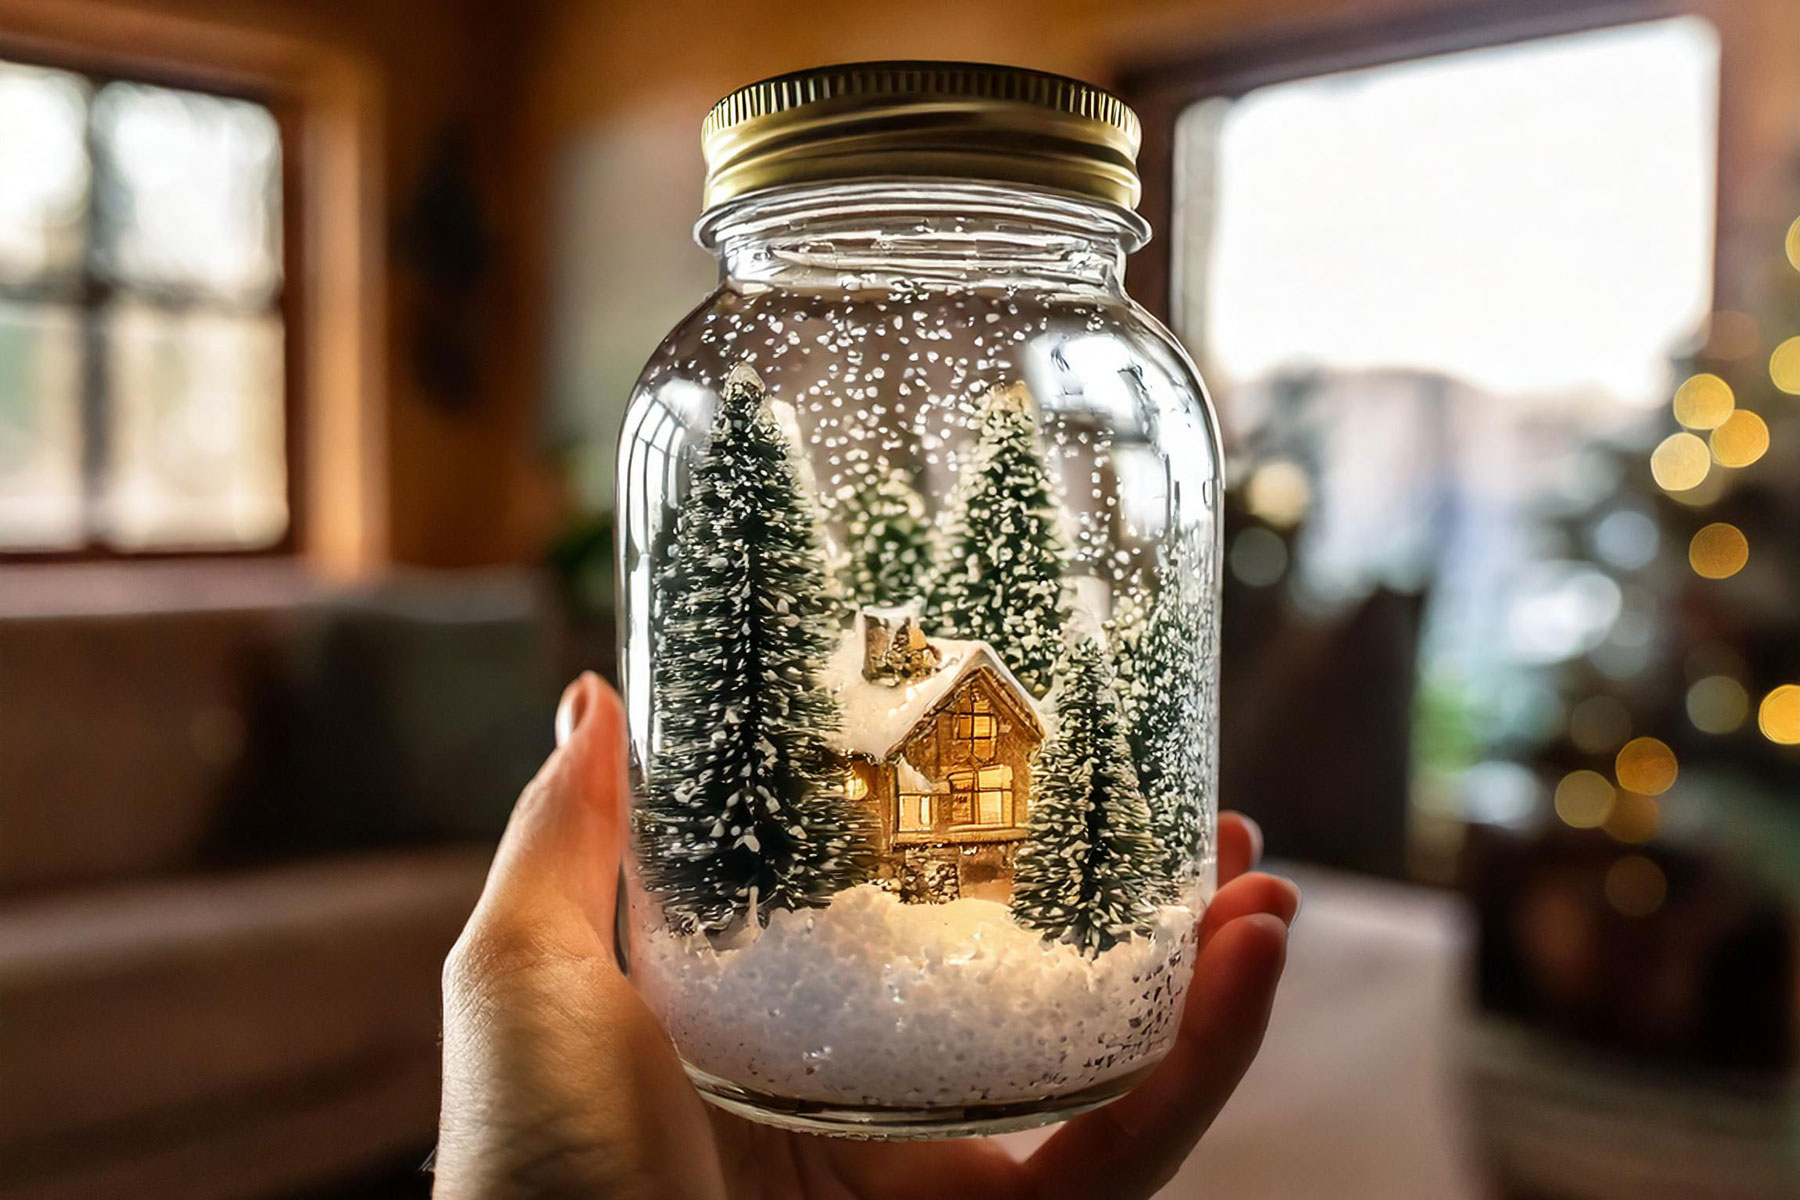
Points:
554	879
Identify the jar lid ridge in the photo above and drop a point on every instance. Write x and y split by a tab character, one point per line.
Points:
922	119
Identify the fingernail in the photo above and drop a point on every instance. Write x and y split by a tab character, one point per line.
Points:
572	709
1256	840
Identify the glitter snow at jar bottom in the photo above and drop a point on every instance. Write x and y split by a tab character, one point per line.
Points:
873	1001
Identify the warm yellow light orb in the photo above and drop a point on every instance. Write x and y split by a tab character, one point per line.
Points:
1741	440
1680	463
1583	799
1635	886
1784	366
1703	402
1779	715
1710	489
1718	551
1793	243
1645	765
1717	704
1279	493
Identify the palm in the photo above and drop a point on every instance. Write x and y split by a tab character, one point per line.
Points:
558	1079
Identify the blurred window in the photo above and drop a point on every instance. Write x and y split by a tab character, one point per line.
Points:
142	352
1441	301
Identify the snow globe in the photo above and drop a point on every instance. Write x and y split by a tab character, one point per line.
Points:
919	531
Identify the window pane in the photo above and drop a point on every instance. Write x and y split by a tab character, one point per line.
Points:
195	444
192	198
40	427
43	173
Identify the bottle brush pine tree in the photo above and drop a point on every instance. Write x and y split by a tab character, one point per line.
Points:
744	807
1085	873
888	537
998	574
1165	664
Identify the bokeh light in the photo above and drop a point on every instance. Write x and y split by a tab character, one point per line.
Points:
1717	704
1635	886
1599	725
1779	715
1583	799
1793	243
1703	402
1645	765
1633	819
1258	556
1680	463
1718	551
1741	440
1784	366
1626	538
1708	491
1279	493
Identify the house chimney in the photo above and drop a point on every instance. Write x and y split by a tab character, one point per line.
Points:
878	637
895	649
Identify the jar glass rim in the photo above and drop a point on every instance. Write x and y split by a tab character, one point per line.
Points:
879	197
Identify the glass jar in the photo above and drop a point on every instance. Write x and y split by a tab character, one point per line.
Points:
919	544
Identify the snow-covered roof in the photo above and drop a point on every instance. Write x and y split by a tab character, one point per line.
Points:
878	716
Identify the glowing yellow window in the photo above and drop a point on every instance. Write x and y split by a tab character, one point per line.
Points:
915	811
993	795
976	726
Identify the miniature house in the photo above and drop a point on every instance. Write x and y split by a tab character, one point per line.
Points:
938	735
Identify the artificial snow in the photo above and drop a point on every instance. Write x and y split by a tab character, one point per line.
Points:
872	1001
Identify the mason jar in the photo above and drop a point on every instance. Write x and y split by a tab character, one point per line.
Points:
919	545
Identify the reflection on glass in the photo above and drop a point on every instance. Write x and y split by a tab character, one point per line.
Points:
40	430
43	173
196	439
192	196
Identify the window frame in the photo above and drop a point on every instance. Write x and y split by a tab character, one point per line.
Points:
90	295
1002	792
974	710
1161	92
923	808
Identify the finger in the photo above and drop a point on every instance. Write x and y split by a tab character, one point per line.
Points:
1240	845
1133	1146
555	874
1246	896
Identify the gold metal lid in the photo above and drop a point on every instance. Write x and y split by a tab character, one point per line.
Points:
939	119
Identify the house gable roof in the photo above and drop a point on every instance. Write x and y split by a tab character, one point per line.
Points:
878	717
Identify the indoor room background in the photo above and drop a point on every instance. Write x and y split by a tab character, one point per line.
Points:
318	321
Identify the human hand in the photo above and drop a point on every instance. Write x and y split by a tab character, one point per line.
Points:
560	1082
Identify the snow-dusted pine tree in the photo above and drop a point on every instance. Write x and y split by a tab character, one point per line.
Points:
1165	660
998	574
887	536
1086	871
744	807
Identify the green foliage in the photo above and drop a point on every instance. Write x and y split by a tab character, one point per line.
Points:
1166	664
744	794
888	537
1086	872
998	575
